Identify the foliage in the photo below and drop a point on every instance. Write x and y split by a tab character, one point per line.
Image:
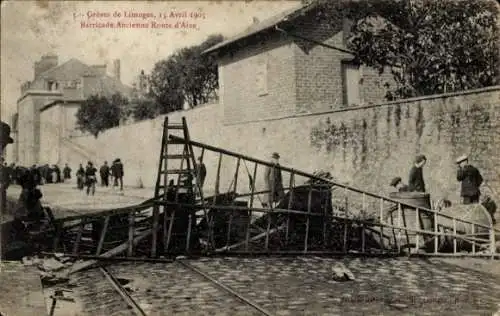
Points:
431	46
144	109
99	113
186	76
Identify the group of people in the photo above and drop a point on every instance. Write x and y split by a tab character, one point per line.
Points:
87	177
43	174
469	176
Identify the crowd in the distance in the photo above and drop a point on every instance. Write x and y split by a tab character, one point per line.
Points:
46	174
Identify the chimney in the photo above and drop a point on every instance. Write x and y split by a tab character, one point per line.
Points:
47	62
100	69
116	69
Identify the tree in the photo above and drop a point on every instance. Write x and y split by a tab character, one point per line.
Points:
97	114
144	109
431	46
186	76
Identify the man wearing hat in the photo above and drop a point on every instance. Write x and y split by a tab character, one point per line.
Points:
398	184
274	181
471	180
416	179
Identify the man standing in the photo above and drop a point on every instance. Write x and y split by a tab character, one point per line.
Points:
471	180
117	170
90	177
80	177
67	172
274	181
416	179
201	173
104	172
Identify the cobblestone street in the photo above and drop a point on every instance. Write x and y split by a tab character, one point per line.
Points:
296	286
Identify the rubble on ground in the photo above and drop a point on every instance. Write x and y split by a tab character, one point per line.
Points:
49	266
341	273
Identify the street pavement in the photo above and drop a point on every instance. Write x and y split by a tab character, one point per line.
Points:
283	286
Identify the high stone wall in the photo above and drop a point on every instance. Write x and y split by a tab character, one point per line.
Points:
365	147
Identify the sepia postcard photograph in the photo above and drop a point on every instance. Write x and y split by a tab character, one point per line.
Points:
250	157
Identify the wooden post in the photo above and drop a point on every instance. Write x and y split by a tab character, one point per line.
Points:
190	223
290	204
325	217
399	227
363	225
131	222
156	212
216	193
232	212
473	230
309	201
79	236
436	237
170	227
345	220
381	219
417	227
103	236
454	236
253	180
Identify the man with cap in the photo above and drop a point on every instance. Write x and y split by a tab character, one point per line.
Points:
471	180
398	184
201	172
274	181
416	179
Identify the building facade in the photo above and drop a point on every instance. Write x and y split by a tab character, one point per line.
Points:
290	65
48	104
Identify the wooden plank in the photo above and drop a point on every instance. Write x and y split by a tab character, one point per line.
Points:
102	237
111	253
79	236
252	196
131	222
154	240
309	203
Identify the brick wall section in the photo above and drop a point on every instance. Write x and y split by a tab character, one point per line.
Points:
241	99
319	70
365	147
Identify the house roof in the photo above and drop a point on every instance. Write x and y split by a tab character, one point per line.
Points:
74	69
267	24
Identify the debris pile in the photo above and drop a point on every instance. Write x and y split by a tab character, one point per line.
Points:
49	266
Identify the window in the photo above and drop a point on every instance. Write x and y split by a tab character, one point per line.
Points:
261	77
351	76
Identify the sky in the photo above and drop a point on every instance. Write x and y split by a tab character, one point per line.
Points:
30	29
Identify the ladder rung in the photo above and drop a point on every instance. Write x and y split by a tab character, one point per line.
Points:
177	171
179	156
176	142
175	126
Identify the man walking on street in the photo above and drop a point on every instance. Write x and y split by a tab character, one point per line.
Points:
104	172
471	180
90	178
67	172
416	179
117	171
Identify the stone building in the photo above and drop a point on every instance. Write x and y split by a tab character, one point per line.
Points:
292	64
46	110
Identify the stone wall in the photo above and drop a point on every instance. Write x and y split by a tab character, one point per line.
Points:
365	147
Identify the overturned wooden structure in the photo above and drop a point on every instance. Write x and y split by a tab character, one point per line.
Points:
316	216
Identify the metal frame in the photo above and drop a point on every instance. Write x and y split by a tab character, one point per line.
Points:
139	226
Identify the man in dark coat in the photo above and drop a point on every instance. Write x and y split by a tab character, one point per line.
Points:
67	172
104	173
416	179
274	181
90	178
398	184
80	177
471	180
201	172
117	171
57	171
